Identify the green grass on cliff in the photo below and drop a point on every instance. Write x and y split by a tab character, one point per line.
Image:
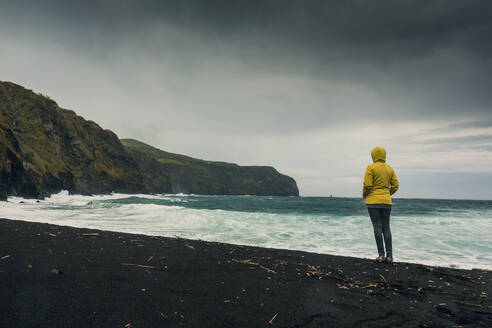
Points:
161	156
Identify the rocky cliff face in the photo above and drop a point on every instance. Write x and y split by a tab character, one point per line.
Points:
165	172
45	149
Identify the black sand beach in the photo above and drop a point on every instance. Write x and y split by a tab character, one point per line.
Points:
56	276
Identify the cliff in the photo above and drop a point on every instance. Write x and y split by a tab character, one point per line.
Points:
45	149
165	172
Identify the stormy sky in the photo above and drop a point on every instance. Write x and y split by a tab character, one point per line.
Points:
309	87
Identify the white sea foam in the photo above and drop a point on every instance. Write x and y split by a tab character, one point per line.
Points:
453	239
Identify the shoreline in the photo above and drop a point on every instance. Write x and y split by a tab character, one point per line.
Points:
58	276
352	256
435	236
48	195
458	266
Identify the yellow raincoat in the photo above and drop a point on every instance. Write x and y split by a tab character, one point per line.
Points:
380	181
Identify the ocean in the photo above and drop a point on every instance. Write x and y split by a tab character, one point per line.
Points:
452	233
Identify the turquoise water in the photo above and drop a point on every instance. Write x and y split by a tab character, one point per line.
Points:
441	232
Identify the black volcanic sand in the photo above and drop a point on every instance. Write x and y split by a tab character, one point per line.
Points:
111	279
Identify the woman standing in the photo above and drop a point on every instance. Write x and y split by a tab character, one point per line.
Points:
380	182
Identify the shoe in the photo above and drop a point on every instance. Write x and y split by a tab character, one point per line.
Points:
389	259
380	259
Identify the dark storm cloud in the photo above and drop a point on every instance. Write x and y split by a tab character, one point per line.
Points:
470	125
310	22
471	143
428	58
386	30
461	140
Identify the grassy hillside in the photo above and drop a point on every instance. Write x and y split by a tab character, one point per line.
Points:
174	173
160	155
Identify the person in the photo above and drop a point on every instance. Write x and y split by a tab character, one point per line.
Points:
380	182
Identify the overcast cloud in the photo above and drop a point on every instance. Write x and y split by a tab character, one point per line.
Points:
309	87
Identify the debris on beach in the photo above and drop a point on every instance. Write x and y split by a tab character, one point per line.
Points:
250	262
56	272
273	318
139	265
215	290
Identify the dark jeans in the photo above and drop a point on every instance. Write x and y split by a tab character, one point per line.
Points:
380	218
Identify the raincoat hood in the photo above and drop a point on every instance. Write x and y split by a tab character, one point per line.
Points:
378	154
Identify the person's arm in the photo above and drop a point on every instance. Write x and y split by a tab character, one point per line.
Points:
394	182
368	181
